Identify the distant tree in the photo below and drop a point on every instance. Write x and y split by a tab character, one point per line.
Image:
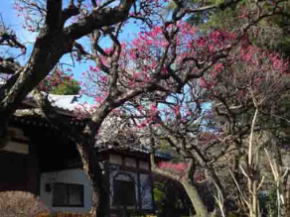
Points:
272	33
60	83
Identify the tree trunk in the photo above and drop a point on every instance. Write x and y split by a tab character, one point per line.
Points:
92	168
197	203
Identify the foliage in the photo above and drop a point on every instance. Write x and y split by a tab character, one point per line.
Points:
271	33
57	82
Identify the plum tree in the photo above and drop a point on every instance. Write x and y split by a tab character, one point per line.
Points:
166	55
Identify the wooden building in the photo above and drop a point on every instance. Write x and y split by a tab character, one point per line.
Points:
39	158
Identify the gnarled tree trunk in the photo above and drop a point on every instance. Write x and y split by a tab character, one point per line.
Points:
93	170
198	205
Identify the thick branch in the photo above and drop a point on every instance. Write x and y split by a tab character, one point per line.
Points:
162	172
98	19
54	15
69	12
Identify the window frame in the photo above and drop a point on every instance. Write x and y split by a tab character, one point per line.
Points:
115	201
68	193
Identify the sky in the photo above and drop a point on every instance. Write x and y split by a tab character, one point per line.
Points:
10	17
14	21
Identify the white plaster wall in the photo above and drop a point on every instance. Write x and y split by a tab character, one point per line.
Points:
73	176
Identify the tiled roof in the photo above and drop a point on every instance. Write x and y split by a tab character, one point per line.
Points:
65	102
62	103
114	129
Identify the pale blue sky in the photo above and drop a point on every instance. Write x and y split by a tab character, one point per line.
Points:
13	21
9	14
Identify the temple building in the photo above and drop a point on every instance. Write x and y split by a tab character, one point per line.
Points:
41	159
